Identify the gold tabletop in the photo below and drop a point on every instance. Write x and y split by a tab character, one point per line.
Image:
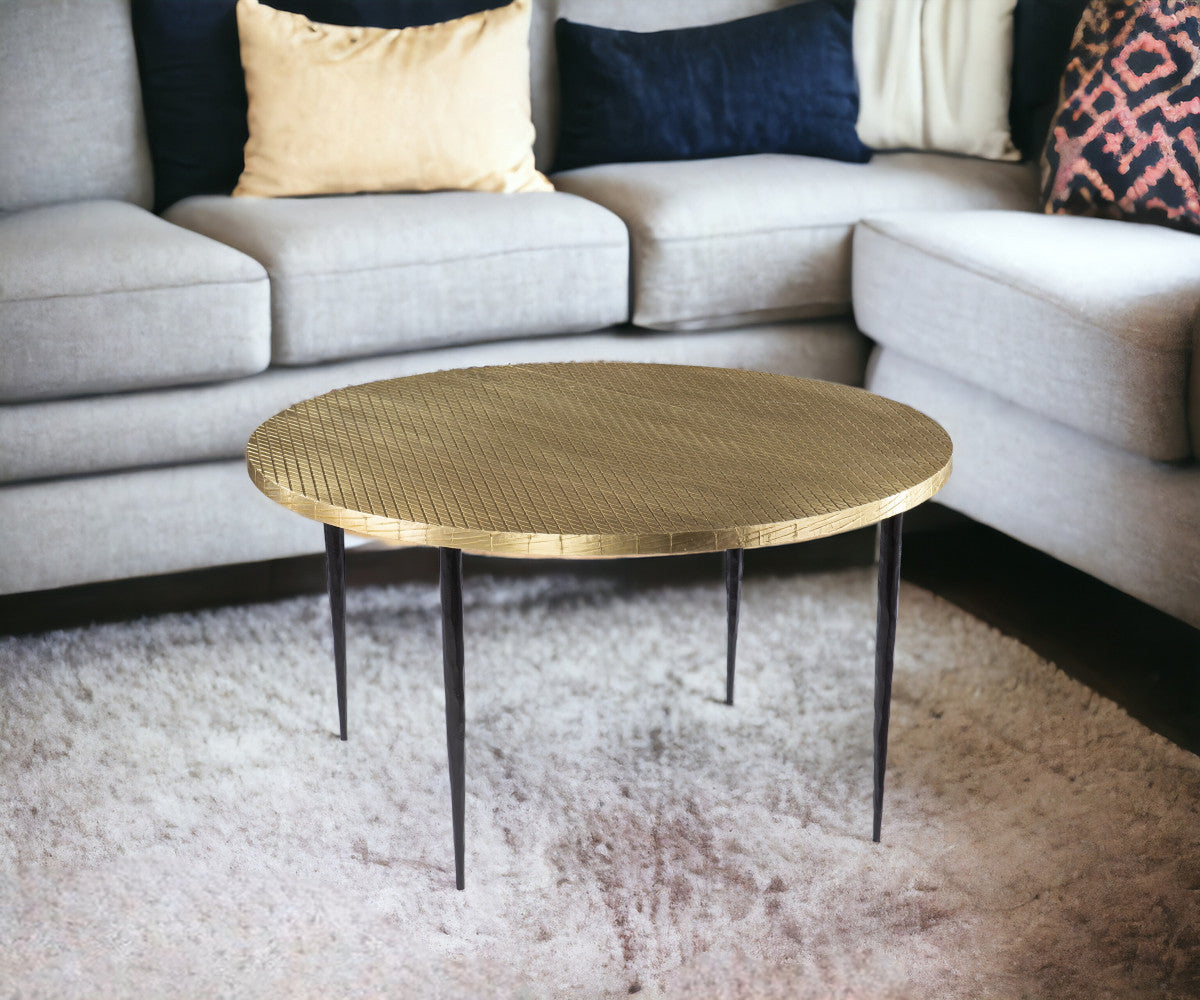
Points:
595	460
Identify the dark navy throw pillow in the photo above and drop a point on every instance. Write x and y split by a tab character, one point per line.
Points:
1042	34
193	91
780	82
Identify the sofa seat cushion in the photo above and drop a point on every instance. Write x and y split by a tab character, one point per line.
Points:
199	423
1087	321
370	274
102	296
756	238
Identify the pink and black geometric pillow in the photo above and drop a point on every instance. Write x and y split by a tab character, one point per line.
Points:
1125	143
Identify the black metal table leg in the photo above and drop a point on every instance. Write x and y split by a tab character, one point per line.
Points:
450	573
885	646
733	597
335	569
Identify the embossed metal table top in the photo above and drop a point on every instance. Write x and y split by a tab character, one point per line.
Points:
594	460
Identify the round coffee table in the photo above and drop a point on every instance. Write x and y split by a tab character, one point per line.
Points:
594	461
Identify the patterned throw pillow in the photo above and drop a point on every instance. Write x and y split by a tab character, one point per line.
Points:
1124	144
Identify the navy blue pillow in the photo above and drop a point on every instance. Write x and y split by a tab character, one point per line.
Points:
1042	35
193	90
780	82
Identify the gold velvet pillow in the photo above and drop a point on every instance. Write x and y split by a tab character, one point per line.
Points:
336	110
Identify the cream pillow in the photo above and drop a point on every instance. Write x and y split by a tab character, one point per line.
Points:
337	110
935	75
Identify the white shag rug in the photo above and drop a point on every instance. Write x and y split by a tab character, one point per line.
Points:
180	820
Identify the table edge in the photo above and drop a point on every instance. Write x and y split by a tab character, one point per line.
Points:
534	545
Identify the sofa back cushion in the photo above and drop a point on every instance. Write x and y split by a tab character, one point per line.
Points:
71	123
1042	33
194	90
196	99
628	15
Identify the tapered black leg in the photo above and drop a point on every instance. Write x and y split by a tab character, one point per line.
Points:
885	646
456	717
733	597
335	568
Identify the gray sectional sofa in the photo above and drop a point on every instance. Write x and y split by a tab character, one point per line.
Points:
140	351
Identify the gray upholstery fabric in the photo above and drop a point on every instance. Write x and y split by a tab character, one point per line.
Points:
102	296
1034	308
71	115
1194	394
543	82
203	423
1131	521
379	273
728	241
631	15
68	531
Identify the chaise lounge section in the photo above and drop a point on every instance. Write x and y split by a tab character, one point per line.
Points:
1060	353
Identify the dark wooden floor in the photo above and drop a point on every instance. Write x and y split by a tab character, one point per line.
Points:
1145	660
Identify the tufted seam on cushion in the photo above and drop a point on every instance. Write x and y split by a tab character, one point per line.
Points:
135	291
753	233
276	272
1038	295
